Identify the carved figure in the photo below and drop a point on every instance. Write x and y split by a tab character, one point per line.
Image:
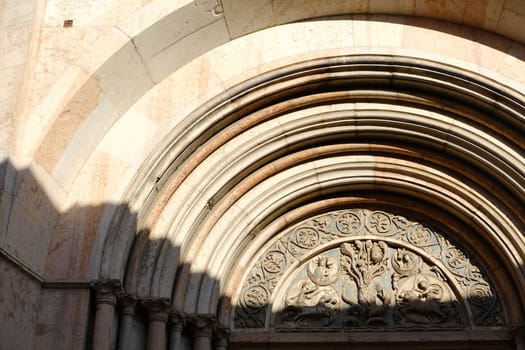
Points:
406	263
315	300
310	303
423	301
323	270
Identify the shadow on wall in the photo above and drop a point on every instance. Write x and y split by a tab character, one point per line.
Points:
361	291
46	249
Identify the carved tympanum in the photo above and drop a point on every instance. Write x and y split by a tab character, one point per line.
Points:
369	283
371	269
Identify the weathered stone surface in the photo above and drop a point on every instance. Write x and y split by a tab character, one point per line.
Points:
62	318
19	302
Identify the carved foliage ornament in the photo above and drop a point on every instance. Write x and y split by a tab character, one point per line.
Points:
372	269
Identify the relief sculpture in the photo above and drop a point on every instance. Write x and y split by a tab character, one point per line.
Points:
365	267
371	284
314	301
422	300
372	270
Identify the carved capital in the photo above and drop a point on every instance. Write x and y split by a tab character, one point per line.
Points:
127	304
157	309
202	325
177	321
107	291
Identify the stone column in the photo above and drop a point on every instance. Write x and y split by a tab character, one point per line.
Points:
127	312
202	328
107	293
519	338
221	339
176	326
157	318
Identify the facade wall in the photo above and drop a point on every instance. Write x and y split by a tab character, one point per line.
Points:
20	299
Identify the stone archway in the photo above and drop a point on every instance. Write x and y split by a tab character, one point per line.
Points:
389	132
154	147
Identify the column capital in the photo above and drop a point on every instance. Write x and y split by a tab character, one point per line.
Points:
202	325
158	309
177	320
107	291
127	304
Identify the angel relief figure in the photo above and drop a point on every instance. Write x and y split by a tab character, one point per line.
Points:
314	301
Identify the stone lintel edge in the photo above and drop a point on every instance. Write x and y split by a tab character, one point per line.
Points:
445	336
21	265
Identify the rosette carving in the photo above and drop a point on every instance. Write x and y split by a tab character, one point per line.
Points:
274	261
349	223
420	236
380	223
306	237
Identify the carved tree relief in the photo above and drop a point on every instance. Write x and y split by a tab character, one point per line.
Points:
365	269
